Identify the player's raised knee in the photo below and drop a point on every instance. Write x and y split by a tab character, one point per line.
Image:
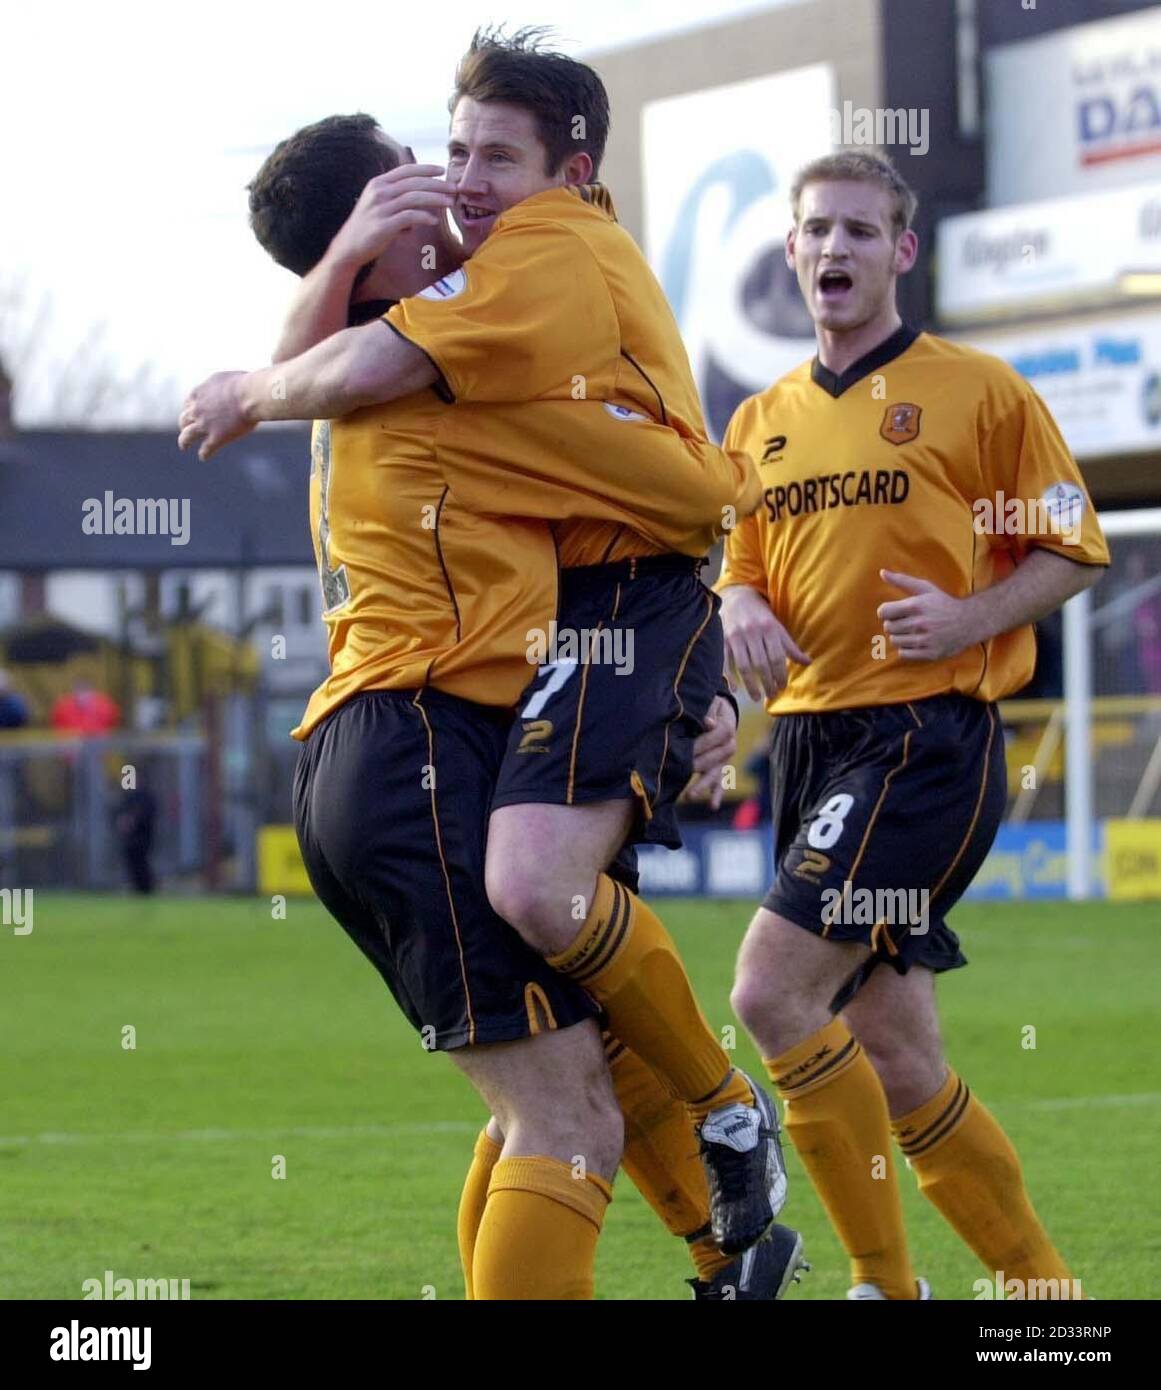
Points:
528	898
514	892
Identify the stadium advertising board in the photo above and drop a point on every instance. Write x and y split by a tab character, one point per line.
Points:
1133	848
1027	861
1100	377
717	168
1031	861
280	866
1075	111
711	864
1061	253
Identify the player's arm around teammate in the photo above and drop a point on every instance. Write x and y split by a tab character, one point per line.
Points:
675	486
411	196
492	332
386	880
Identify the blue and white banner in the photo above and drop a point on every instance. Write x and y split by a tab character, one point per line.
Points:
711	864
1026	862
1031	861
1099	376
1076	110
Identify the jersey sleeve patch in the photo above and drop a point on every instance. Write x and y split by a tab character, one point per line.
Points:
622	412
447	287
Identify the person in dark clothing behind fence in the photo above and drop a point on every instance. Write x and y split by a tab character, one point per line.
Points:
136	816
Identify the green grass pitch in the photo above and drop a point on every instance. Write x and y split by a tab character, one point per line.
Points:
258	1038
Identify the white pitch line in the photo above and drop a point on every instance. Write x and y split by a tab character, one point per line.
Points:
243	1135
1087	1102
1143	1098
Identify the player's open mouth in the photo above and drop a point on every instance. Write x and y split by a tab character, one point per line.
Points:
471	213
833	284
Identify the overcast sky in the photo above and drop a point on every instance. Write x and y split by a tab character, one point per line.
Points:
129	133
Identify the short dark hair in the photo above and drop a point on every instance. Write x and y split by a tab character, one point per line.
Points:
307	186
520	70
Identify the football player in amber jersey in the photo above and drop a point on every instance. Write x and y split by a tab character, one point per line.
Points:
557	305
882	604
442	607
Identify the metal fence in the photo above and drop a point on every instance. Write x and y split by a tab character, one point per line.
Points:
60	799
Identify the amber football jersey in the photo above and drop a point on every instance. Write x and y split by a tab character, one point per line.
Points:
416	589
924	457
429	523
560	304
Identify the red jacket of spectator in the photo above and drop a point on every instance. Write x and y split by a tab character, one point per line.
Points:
85	711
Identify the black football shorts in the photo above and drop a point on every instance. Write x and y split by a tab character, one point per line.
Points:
391	800
634	664
882	817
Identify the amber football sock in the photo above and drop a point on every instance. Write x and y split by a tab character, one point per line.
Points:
836	1117
661	1156
538	1236
472	1201
626	960
968	1169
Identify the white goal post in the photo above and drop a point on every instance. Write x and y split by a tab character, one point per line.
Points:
1083	616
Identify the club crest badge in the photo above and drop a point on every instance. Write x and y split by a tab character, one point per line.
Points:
900	423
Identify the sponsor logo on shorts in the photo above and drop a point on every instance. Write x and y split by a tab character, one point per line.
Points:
536	731
812	865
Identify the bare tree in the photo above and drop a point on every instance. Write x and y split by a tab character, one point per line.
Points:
83	389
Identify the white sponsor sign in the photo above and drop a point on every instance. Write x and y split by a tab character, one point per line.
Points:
736	865
1076	110
718	166
1100	377
1065	251
668	871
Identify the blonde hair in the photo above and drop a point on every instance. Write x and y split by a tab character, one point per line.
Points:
859	166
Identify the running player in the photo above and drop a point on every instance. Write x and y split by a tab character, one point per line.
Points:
881	616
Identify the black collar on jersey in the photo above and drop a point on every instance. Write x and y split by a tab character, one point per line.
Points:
367	310
835	383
